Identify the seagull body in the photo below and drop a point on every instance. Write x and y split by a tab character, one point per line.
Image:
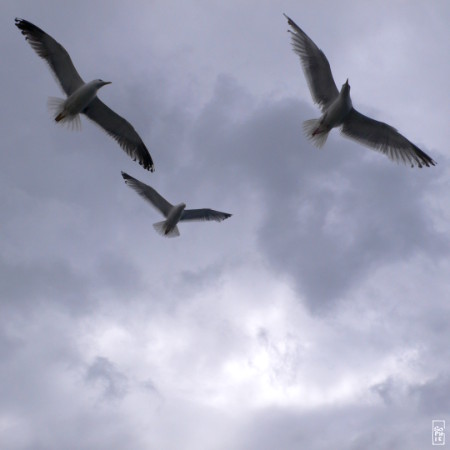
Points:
172	213
338	111
169	227
334	116
81	96
68	110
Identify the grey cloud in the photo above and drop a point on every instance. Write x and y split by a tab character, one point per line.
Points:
336	205
331	216
44	400
76	245
103	373
26	287
428	398
340	427
9	345
432	396
191	281
387	390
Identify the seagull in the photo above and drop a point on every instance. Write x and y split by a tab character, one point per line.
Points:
172	213
338	111
81	96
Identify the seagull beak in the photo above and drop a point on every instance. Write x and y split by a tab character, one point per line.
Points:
346	82
106	82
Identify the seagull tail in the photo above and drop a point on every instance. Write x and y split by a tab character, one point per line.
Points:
56	107
161	228
317	135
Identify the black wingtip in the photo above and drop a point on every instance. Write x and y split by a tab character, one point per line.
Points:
423	159
18	22
296	28
290	21
125	176
145	160
21	23
26	27
147	166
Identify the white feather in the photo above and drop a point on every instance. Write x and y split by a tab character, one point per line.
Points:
56	106
310	128
161	228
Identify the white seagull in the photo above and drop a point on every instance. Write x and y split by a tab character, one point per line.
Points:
172	213
81	96
337	109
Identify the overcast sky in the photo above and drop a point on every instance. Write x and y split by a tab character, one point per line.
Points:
316	317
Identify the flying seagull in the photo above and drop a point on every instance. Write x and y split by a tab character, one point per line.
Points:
338	111
172	213
81	96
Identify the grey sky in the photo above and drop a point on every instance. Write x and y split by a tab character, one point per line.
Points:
315	317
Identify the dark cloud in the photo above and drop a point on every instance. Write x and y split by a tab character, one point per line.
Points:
105	376
431	396
27	287
339	426
331	216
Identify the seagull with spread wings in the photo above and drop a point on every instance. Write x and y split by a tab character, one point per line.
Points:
172	213
81	96
338	111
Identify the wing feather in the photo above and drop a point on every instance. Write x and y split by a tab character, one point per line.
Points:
121	130
315	66
147	192
54	54
203	214
385	139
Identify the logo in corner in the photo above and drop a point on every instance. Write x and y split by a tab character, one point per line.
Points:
438	432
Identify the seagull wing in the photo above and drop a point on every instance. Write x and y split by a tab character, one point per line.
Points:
203	214
54	53
315	66
121	130
160	203
384	138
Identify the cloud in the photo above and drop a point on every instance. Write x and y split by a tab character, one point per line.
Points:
315	317
431	396
331	216
103	372
27	287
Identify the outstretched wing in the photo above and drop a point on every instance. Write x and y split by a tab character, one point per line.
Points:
384	138
315	66
121	130
54	54
147	192
203	214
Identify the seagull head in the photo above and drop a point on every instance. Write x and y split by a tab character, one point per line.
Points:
101	83
345	87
